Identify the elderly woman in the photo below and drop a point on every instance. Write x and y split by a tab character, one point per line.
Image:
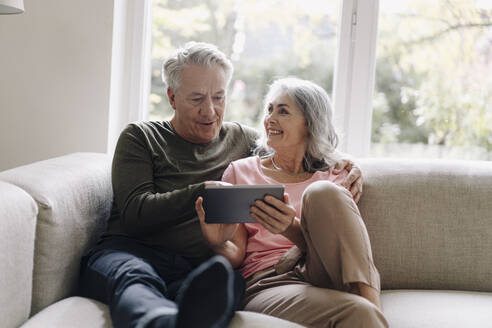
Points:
308	259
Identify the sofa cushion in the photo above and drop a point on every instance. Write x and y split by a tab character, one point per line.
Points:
72	312
430	309
74	196
246	319
18	213
429	223
80	312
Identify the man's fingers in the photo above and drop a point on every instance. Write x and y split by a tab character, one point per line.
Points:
344	164
339	166
357	198
198	203
199	209
350	179
354	190
286	198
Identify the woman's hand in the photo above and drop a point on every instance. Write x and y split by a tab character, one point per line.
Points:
353	181
215	234
276	216
279	218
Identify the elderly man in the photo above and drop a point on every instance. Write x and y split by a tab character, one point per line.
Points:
153	267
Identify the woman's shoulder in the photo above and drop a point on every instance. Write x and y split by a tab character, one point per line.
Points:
243	171
245	163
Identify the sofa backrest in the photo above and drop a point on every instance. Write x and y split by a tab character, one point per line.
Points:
73	194
430	222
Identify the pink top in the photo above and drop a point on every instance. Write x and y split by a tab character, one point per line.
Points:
263	248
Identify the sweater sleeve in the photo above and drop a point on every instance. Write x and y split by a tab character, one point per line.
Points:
142	209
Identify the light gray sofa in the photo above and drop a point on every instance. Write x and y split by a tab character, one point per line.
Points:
430	225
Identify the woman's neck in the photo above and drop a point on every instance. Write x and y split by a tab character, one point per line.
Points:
280	175
288	162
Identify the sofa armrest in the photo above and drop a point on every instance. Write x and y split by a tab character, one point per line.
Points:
18	213
74	196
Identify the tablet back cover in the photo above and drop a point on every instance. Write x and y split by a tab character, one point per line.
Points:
231	204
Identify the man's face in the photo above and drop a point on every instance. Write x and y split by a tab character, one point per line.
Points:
199	103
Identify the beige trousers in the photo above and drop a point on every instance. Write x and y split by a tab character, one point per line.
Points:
311	288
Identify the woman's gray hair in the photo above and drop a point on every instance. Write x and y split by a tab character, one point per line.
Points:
193	53
315	105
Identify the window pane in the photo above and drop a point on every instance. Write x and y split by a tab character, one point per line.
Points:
433	93
265	40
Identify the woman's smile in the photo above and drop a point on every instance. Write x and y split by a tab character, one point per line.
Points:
274	132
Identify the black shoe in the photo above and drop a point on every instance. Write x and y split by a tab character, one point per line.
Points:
206	298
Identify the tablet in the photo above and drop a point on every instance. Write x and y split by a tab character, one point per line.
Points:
231	204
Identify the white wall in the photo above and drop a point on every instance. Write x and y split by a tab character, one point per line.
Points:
55	72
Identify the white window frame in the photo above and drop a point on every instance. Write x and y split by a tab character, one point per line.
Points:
130	66
353	80
355	66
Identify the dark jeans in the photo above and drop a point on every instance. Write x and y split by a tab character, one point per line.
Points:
136	281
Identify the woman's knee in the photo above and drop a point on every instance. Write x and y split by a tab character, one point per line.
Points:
320	192
323	198
366	312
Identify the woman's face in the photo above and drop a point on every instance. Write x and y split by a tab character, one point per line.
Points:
285	125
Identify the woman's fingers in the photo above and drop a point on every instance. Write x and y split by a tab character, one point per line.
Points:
266	221
282	206
271	217
270	210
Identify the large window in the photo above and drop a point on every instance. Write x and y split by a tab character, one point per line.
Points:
264	39
432	87
433	96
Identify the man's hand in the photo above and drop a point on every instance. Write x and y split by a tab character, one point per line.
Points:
215	234
353	182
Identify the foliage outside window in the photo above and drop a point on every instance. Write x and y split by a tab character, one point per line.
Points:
433	93
264	39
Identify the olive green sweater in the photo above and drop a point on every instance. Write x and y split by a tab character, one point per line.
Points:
157	176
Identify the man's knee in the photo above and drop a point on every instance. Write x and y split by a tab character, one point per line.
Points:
109	273
136	271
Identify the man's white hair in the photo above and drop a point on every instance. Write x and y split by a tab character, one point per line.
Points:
193	53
